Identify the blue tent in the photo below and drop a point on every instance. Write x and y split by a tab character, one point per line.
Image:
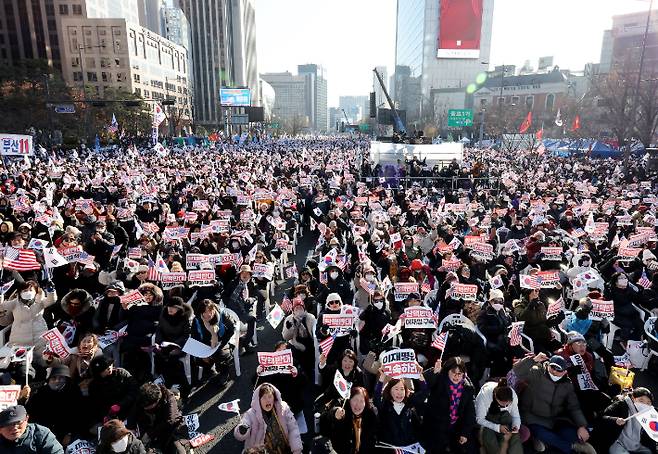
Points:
603	150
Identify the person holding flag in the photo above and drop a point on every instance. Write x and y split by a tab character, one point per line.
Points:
298	332
619	430
349	370
352	428
494	321
269	423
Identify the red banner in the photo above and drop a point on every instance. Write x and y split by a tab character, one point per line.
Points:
460	25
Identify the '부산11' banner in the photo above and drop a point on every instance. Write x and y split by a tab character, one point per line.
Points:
460	25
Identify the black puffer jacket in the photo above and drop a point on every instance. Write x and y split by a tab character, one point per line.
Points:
165	422
175	328
74	323
402	429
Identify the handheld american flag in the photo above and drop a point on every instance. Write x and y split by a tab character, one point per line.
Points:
20	259
515	334
644	280
440	341
325	345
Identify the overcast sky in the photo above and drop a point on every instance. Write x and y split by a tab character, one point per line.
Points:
350	37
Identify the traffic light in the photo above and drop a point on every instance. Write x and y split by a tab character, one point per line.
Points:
132	103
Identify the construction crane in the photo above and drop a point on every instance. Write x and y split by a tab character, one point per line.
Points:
347	121
396	118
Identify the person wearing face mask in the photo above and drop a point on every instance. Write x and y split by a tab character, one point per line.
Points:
298	332
399	410
59	393
269	423
497	413
312	284
372	320
532	310
549	405
27	310
74	315
352	428
242	297
624	295
336	283
583	264
362	295
592	330
116	439
618	431
494	321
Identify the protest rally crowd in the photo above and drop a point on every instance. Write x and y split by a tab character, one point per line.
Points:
500	304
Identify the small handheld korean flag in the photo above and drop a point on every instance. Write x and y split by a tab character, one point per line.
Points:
232	406
53	259
649	422
342	386
275	316
496	281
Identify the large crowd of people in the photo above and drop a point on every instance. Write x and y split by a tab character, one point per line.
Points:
498	304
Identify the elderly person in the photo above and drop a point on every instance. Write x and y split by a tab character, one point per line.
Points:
20	437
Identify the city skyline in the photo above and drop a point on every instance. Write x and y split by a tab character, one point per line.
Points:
366	37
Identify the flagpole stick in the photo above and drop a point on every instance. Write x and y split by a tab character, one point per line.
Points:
639	413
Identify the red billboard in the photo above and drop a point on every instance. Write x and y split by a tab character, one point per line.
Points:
460	24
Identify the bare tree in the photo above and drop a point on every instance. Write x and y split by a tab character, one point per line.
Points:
647	110
613	93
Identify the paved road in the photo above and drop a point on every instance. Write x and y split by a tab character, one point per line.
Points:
205	400
221	424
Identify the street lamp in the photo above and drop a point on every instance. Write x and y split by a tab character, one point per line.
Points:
482	124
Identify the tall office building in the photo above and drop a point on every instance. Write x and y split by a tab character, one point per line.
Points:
357	108
245	64
316	95
440	49
96	43
289	98
621	49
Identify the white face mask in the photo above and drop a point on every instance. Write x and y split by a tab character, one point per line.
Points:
553	377
642	407
120	445
333	274
497	306
379	304
370	277
28	295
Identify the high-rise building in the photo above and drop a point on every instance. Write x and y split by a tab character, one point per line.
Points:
622	45
316	95
440	49
289	98
223	52
99	44
357	108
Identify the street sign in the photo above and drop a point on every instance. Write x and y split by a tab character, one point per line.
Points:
458	118
363	127
239	119
65	108
274	125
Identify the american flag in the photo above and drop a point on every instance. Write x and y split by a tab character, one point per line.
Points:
286	305
515	334
644	280
531	282
115	251
134	253
425	286
323	278
191	216
114	126
151	227
365	285
325	345
153	273
440	341
20	259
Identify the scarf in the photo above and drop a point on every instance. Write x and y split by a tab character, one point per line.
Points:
456	391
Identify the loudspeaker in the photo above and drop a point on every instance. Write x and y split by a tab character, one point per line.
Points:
373	105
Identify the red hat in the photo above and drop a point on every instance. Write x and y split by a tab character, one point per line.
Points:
297	302
416	265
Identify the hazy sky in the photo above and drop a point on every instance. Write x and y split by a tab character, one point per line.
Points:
350	37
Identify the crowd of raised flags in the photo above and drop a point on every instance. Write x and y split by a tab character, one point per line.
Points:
497	257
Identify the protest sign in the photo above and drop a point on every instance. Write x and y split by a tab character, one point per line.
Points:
194	261
404	289
173	279
56	343
201	278
548	279
339	324
132	297
602	309
81	447
555	307
551	253
400	363
201	439
419	317
465	292
275	363
483	251
263	271
9	395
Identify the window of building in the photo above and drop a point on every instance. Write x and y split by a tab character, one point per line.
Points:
529	101
75	62
146	93
92	76
136	78
77	76
121	77
138	91
550	101
77	10
64	10
515	100
50	9
105	62
117	62
501	101
483	102
106	77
